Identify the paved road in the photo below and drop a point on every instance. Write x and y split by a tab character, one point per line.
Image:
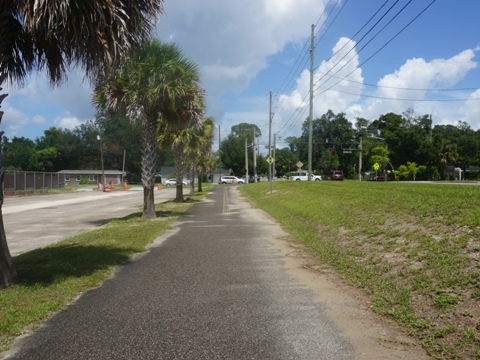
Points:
216	287
35	221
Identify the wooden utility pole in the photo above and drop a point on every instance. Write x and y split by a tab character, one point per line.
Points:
310	116
246	162
254	157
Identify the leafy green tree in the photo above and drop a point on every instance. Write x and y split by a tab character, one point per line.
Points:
120	141
232	149
331	134
47	157
285	161
21	155
330	161
409	171
70	149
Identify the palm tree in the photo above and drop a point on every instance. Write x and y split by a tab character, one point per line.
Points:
158	84
448	154
181	135
200	150
37	35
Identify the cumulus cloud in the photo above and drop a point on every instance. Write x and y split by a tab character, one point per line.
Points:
38	103
407	87
67	122
231	41
471	110
13	120
337	86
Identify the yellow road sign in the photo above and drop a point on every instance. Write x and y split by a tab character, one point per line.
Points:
376	166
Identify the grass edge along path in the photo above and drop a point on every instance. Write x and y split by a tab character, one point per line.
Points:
50	278
413	248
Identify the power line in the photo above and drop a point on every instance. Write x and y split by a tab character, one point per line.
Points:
294	70
369	41
400	88
383	46
369	20
333	21
400	99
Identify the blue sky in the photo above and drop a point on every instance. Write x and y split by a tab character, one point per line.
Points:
247	48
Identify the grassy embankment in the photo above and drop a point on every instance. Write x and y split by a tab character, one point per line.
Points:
51	277
414	249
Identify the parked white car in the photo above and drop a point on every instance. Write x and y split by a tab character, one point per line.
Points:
303	175
173	182
231	180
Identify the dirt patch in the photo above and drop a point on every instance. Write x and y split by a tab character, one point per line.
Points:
372	336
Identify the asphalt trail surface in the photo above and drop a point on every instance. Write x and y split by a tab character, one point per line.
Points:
214	288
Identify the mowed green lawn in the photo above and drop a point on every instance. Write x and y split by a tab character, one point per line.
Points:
414	248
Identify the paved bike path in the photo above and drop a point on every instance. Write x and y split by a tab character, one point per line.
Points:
214	288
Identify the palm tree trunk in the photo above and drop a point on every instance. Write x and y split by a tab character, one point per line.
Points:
192	176
200	177
149	144
178	150
7	271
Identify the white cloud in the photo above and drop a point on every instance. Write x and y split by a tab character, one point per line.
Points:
232	40
13	119
471	110
39	119
418	73
337	85
38	103
67	122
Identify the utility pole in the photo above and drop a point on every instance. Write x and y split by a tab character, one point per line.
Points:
274	148
270	138
254	157
246	162
220	167
360	154
101	159
123	167
310	116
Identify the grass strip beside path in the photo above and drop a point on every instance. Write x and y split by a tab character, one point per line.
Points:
51	277
413	248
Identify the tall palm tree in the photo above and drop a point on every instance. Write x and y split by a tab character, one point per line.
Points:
199	151
179	135
158	84
52	35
